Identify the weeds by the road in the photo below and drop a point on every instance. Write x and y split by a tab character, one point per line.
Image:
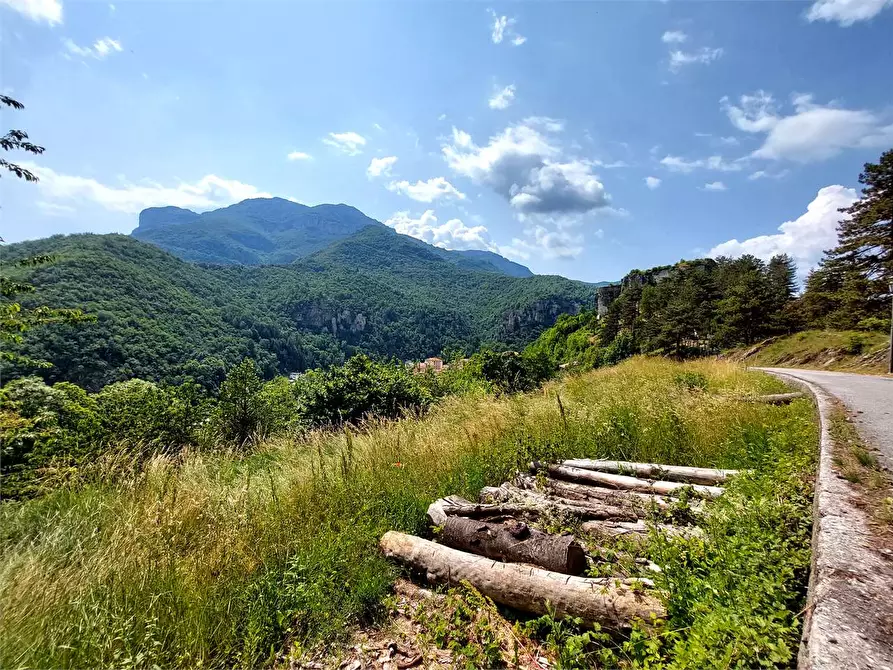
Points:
225	561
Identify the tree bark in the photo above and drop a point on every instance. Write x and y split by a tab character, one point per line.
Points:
575	493
612	603
673	473
537	501
444	508
514	542
628	483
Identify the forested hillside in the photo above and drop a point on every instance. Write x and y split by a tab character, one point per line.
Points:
262	231
706	305
160	318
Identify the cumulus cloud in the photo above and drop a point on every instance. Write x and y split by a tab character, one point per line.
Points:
846	12
209	192
299	156
715	186
427	191
100	49
525	165
350	143
673	37
380	167
652	182
679	164
540	241
502	98
704	56
49	11
804	238
504	27
812	132
453	234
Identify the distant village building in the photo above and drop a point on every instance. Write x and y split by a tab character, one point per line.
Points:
433	363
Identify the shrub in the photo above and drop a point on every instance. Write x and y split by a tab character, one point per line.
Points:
241	411
873	323
855	345
511	372
359	389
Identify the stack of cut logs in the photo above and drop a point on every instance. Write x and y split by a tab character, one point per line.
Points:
501	547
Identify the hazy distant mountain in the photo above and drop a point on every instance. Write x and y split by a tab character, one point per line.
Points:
268	231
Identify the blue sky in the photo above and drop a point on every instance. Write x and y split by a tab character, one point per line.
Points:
582	139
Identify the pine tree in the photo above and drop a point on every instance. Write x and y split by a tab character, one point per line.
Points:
865	237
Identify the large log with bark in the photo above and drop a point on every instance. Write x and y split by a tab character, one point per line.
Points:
612	603
442	508
627	483
514	542
673	473
575	493
509	494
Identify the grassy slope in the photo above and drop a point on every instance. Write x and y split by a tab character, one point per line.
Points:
821	349
221	561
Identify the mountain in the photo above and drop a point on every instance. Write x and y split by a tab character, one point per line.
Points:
162	318
270	231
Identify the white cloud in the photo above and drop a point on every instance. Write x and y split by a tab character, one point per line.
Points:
502	98
209	192
704	56
529	169
54	209
764	174
503	27
679	164
100	49
37	10
674	37
299	156
812	132
453	234
379	167
846	12
804	238
539	241
350	143
715	186
427	191
652	182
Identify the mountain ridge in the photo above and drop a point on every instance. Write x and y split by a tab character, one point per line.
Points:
275	231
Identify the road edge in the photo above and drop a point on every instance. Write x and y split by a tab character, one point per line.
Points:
846	574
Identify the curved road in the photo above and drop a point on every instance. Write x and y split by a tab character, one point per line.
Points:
869	396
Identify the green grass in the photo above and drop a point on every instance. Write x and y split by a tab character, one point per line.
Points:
216	561
850	350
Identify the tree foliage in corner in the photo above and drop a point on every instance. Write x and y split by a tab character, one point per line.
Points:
851	285
14	318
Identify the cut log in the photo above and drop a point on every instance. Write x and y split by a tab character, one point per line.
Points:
440	510
627	483
612	603
778	398
673	473
514	542
636	528
582	510
574	493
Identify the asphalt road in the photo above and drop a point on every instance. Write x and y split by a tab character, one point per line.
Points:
869	396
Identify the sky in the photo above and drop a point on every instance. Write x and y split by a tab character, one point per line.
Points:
580	138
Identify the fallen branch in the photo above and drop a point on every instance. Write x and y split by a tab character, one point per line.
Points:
508	493
777	398
514	542
636	528
612	603
674	473
573	493
627	483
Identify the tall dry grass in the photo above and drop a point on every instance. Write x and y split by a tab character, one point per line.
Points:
216	560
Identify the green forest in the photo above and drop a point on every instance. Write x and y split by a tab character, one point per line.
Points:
704	306
162	319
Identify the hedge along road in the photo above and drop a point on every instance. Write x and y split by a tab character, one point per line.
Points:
868	395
